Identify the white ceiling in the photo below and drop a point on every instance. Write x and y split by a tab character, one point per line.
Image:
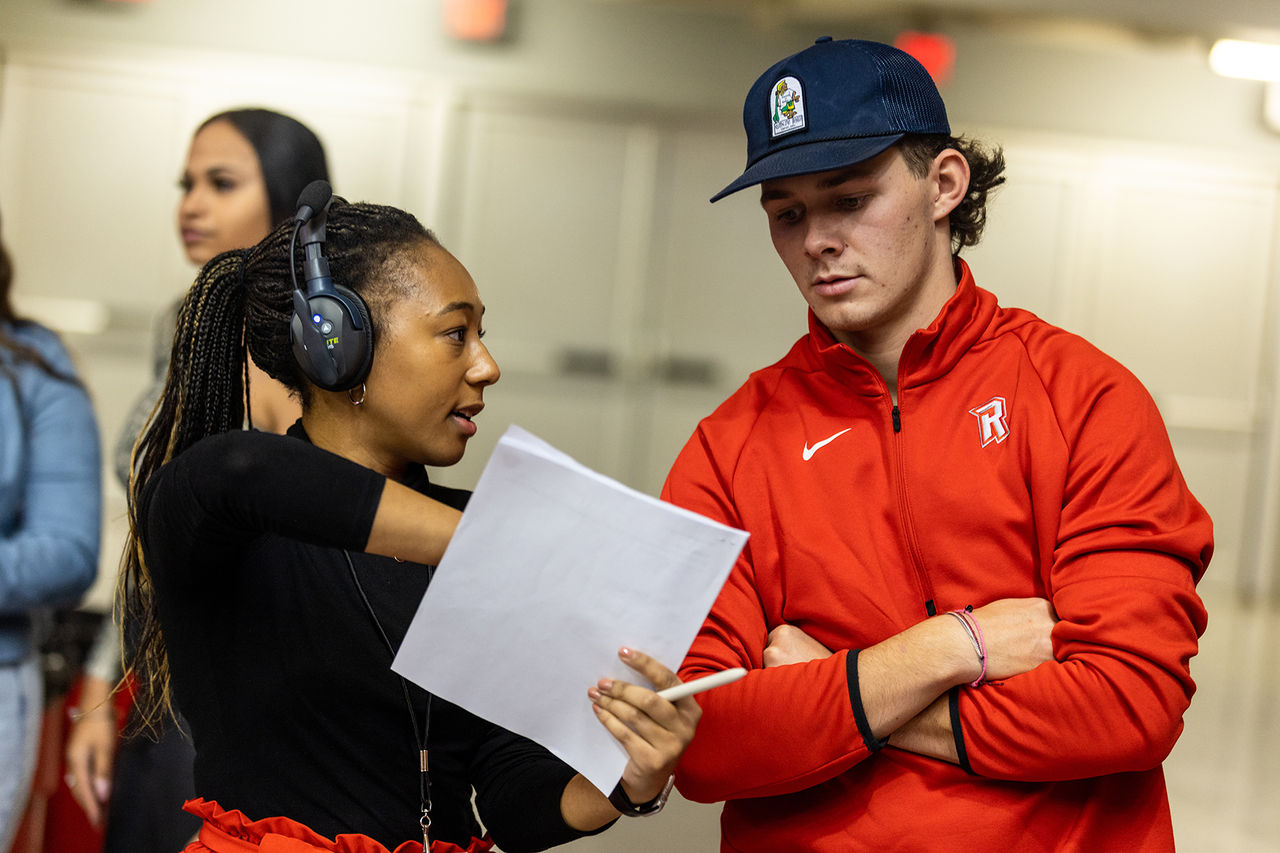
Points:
1202	18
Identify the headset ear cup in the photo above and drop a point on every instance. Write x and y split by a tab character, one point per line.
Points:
309	342
360	354
332	338
330	330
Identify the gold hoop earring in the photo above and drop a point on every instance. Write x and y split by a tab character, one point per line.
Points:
353	400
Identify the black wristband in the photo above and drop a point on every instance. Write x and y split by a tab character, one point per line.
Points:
619	800
957	731
869	739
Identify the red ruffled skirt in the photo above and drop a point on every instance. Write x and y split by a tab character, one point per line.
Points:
233	832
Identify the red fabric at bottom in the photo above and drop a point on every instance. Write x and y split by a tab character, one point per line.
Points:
233	832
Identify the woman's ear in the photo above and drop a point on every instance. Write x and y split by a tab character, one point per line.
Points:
951	180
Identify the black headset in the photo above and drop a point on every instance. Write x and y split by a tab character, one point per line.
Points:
330	330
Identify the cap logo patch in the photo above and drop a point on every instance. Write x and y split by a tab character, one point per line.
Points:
786	103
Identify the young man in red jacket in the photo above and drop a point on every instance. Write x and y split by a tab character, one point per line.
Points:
968	601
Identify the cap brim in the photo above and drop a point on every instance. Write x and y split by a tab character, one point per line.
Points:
807	158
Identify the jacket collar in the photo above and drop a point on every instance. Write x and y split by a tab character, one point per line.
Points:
929	353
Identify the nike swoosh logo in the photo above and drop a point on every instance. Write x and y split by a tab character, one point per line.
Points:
809	451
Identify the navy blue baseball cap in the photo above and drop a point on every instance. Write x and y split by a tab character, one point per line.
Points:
832	105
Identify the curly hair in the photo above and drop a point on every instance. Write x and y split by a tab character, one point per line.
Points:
986	172
241	302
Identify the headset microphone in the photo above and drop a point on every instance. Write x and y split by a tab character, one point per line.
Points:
314	196
330	330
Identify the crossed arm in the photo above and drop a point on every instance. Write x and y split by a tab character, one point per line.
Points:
903	680
1108	699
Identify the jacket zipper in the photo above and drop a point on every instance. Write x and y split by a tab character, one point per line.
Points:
908	524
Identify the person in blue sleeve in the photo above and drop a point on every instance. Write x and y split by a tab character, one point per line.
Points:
50	508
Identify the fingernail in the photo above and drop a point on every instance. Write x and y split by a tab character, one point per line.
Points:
102	788
625	652
593	693
606	684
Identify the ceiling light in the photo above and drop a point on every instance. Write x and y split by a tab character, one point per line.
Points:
475	20
1250	60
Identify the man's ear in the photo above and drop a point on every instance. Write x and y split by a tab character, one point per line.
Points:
950	174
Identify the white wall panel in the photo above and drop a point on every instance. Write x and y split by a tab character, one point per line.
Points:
723	304
90	163
538	219
1029	252
1183	276
723	297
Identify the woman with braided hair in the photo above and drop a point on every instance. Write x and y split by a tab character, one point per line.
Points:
270	578
244	168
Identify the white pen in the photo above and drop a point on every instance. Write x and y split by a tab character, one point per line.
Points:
715	679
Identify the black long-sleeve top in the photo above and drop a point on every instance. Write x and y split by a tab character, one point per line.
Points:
279	667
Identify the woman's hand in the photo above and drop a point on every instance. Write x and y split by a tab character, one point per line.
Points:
91	749
653	731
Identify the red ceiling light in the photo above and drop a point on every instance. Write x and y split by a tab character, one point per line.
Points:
475	20
936	52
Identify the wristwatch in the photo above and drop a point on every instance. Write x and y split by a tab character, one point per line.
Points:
618	798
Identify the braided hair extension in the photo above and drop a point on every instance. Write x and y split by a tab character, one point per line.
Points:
203	395
241	303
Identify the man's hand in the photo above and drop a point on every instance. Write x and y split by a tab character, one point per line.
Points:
789	644
1016	633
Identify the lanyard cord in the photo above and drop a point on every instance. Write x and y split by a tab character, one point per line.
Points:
424	781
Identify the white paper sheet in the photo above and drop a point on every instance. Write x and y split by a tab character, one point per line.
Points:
552	569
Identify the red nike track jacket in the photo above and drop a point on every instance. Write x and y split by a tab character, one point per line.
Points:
1019	461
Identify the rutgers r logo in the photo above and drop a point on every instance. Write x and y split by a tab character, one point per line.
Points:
992	425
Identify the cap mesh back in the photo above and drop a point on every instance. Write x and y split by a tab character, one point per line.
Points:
908	105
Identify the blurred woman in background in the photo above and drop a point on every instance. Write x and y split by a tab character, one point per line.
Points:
50	508
243	172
